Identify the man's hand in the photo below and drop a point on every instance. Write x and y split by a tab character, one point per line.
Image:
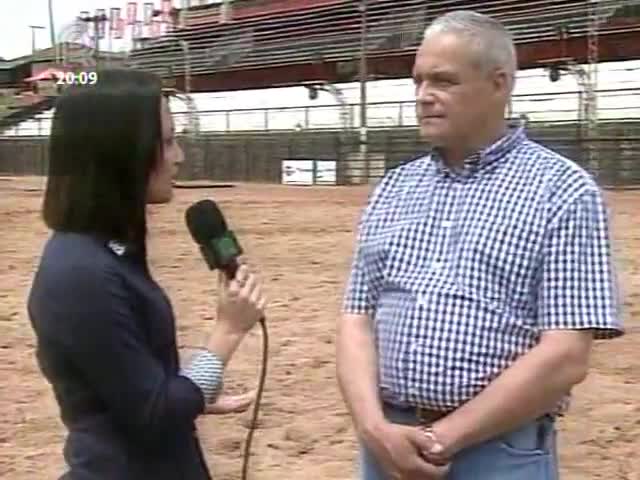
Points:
398	448
226	404
532	386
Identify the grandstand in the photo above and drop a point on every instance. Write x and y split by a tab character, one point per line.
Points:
253	72
321	41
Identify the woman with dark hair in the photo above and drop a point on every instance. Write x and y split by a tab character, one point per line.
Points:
105	330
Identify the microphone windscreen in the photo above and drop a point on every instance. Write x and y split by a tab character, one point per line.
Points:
205	221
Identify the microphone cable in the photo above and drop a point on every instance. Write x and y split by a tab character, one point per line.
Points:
253	423
256	406
220	250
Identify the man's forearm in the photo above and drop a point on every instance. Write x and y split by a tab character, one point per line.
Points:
531	387
357	373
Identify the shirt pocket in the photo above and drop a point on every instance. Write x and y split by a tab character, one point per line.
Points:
410	249
499	261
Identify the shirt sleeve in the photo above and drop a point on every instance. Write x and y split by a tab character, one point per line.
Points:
358	298
206	370
578	287
105	342
359	295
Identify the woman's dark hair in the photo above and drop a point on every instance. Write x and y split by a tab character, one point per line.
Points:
104	144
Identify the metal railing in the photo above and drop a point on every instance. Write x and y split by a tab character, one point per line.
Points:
619	105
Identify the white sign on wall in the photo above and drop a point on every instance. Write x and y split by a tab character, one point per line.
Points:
309	172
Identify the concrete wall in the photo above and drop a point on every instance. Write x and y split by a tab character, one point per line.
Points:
257	156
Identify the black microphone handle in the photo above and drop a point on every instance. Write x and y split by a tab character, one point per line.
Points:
209	258
231	269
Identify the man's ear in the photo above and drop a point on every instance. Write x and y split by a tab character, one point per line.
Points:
502	82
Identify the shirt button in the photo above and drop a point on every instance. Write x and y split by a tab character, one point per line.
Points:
447	224
437	266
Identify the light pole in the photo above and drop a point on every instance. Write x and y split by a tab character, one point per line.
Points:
363	87
33	36
588	96
225	11
96	20
338	96
52	30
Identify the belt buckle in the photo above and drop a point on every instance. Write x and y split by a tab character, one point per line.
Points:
421	413
428	417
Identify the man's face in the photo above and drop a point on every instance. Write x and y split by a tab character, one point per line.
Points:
454	98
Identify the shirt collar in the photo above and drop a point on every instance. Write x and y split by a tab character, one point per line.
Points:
487	156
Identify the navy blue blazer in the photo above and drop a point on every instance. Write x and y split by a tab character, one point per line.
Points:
106	342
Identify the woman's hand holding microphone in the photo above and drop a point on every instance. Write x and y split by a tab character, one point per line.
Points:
241	305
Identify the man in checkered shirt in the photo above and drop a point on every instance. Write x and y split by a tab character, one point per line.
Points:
482	274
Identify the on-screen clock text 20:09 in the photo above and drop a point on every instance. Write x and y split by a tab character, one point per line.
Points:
80	78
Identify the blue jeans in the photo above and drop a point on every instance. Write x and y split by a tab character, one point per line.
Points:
528	453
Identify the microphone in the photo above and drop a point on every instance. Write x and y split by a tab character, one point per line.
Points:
218	245
220	250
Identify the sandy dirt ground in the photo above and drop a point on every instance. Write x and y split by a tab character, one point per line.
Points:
302	240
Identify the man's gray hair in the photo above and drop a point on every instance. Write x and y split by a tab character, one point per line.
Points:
492	42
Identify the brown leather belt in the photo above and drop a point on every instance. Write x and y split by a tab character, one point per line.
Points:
424	415
427	417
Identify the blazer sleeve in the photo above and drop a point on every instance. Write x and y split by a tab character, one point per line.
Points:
105	343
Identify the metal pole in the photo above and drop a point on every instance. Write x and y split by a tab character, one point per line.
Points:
363	88
33	36
591	100
187	66
52	29
97	20
225	11
96	39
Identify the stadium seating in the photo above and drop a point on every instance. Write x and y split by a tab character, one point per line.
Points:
244	9
313	34
333	33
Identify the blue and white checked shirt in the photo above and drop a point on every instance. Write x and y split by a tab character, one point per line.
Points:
461	272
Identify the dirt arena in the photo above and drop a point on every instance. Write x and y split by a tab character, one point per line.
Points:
301	239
